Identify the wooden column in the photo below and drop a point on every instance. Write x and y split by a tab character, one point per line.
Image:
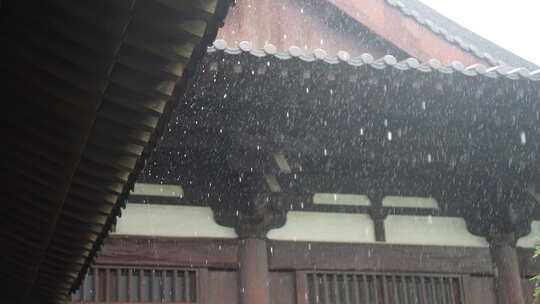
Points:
506	269
499	208
377	214
253	271
265	211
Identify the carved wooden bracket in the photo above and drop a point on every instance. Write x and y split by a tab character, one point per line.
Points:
261	213
491	206
258	224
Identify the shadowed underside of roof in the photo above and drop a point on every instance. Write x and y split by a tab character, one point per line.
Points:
343	123
90	85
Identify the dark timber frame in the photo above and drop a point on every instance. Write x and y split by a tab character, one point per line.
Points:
218	260
279	127
91	85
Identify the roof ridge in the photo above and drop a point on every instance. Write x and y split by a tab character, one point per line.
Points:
442	32
432	65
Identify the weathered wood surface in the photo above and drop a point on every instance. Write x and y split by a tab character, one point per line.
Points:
335	25
379	257
90	83
508	285
285	255
253	284
285	259
135	250
223	287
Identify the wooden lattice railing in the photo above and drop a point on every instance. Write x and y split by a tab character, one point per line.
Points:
320	287
139	284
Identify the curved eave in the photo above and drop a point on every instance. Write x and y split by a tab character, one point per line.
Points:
92	85
458	36
474	111
388	61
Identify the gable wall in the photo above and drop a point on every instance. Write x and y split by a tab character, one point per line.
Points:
286	23
357	27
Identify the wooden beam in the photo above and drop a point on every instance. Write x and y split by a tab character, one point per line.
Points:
304	255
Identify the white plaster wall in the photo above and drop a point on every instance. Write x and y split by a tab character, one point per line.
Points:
533	238
409	201
158	190
341	199
430	230
325	227
167	220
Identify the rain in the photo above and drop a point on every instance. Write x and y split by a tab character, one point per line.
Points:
269	151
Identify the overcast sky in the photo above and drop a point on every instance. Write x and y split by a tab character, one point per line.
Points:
514	25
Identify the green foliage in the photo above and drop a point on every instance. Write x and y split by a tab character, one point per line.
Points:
537	277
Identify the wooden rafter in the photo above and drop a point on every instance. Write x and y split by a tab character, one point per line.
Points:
91	83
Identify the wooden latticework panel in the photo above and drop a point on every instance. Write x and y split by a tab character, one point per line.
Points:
378	288
139	285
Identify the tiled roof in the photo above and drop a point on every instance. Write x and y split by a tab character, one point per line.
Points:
387	61
91	86
457	35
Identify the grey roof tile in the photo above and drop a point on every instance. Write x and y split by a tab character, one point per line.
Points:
458	35
387	61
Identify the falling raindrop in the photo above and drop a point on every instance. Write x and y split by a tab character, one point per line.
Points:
523	137
389	135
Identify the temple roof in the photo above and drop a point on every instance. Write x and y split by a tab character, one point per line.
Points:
90	87
388	61
458	35
308	123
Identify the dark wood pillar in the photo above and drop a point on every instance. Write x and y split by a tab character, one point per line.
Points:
500	209
265	211
377	214
508	286
253	286
253	271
